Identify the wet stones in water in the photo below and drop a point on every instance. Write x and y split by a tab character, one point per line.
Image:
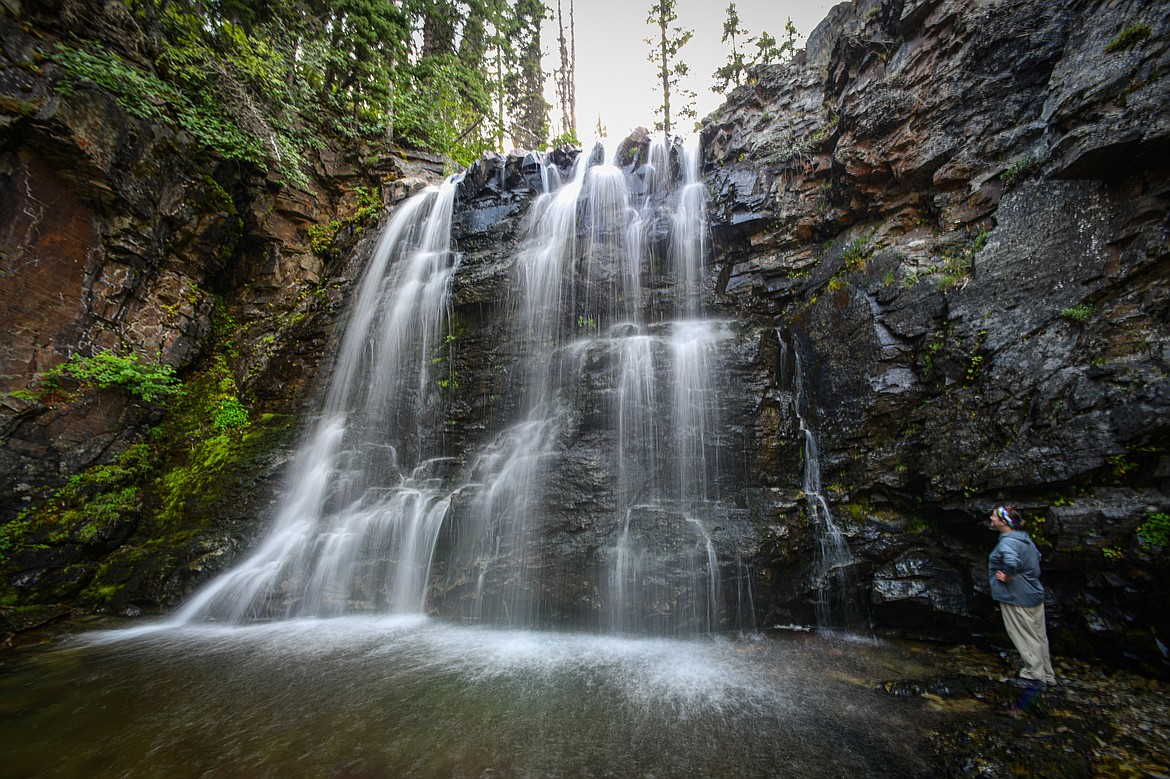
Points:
1082	728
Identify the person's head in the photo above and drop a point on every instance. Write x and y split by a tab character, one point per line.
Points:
1005	519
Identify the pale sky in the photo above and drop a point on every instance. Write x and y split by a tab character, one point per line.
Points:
616	81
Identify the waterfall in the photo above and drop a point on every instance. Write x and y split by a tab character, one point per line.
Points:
363	497
664	577
613	378
833	580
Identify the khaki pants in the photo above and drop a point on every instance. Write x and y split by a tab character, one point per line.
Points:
1025	626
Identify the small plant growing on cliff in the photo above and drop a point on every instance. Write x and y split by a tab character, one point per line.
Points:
1077	313
1129	37
148	382
369	206
856	253
975	368
1120	465
230	413
1016	171
1154	532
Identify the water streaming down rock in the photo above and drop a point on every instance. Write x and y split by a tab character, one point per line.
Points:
586	350
833	584
363	504
614	369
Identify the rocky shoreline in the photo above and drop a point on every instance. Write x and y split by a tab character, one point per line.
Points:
1095	722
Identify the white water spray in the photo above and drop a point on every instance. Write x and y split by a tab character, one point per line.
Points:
597	331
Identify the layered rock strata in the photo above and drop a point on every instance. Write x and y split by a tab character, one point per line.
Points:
958	214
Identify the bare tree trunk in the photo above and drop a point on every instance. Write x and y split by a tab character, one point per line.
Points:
563	74
500	98
665	72
573	70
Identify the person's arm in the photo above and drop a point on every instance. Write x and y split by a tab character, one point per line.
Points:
1010	560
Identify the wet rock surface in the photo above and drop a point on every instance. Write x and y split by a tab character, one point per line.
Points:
950	211
1093	722
121	235
956	213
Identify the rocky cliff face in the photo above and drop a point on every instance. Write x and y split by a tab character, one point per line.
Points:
957	213
121	236
952	216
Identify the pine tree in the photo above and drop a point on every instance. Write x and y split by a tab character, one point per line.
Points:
767	50
526	104
733	70
664	53
439	18
446	98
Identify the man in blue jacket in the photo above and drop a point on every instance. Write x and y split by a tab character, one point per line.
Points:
1013	570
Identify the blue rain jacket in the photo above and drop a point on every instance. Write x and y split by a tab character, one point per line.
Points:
1018	557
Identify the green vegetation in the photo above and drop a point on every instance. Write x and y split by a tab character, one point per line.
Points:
91	505
1077	313
853	257
148	382
207	435
975	368
954	265
568	138
369	206
665	48
732	72
1154	532
442	358
1120	465
1016	171
1129	37
264	83
119	528
856	253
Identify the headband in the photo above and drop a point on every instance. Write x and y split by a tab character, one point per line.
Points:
1003	514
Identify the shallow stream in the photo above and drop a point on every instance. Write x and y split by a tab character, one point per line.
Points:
412	696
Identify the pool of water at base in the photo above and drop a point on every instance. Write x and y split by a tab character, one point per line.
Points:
418	697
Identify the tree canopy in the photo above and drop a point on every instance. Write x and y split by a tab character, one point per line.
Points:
264	81
768	50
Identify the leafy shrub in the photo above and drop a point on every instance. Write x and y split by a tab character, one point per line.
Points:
229	413
148	382
1155	530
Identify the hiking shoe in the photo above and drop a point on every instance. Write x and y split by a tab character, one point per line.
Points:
1027	684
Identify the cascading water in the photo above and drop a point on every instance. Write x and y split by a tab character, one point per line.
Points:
363	504
606	326
601	459
833	581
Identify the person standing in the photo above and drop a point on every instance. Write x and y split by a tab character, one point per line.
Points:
1013	570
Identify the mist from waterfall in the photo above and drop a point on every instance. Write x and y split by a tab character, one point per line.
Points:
605	299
